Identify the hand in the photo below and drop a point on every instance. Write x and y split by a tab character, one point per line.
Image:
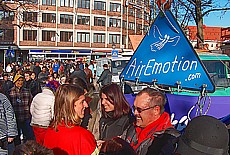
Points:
99	143
10	140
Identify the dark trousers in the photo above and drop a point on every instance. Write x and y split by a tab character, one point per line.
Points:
25	129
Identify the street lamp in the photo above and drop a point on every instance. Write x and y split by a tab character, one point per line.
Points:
122	48
114	52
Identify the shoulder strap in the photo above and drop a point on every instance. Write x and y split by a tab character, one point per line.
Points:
129	134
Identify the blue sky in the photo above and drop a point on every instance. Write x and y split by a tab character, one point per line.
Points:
214	19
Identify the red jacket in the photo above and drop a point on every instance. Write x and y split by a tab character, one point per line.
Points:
71	141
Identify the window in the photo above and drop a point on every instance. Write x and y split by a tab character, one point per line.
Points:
139	27
83	4
146	2
139	14
6	15
66	19
98	5
25	1
67	3
115	7
131	11
49	2
30	35
124	24
6	34
113	22
49	17
138	2
123	40
99	38
83	20
30	16
146	16
124	10
48	35
146	28
66	36
99	21
34	1
83	37
131	26
114	38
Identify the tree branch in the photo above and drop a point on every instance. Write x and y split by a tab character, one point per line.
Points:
215	9
192	2
188	8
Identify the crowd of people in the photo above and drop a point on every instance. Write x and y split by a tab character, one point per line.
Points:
51	107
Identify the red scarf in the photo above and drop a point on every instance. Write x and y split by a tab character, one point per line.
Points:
160	124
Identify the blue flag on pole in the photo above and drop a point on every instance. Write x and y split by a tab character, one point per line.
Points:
165	55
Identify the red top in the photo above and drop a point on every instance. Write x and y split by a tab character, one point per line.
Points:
71	141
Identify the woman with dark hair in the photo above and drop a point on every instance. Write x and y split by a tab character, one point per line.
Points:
65	131
116	112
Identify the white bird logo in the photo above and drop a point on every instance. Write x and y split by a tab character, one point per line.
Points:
163	40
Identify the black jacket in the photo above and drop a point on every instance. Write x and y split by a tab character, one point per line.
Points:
6	86
79	74
110	128
164	142
33	86
105	78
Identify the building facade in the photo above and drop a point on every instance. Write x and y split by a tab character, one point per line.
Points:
212	37
70	28
225	36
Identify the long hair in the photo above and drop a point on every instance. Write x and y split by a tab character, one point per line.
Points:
65	97
117	98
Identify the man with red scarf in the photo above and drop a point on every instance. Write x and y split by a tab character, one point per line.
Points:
152	133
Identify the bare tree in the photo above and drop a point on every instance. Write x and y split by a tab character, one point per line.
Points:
196	10
17	8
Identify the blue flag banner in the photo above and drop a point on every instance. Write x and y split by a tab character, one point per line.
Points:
165	55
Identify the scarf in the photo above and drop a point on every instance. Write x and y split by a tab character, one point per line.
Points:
142	134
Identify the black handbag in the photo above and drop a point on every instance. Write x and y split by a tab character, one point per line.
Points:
4	143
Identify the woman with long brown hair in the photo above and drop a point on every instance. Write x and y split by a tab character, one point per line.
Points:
65	132
116	112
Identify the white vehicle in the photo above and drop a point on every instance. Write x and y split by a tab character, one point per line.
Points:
116	66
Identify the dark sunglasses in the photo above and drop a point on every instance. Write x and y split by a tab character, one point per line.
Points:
140	110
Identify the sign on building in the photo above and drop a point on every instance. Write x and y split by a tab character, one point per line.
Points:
114	53
10	53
